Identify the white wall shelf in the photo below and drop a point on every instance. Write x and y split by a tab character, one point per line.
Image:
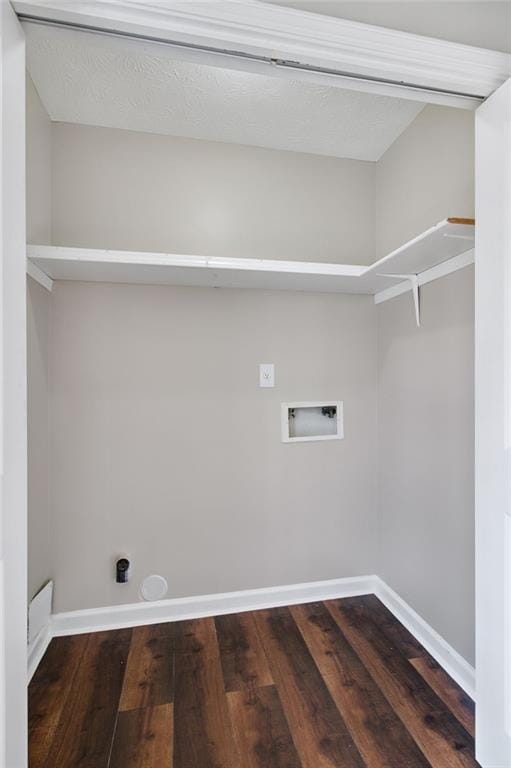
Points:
442	243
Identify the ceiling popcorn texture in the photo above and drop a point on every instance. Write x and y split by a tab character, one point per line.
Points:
121	83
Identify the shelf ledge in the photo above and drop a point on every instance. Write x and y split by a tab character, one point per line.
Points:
446	241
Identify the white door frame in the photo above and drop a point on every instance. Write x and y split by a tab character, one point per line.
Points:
13	413
270	38
276	41
493	429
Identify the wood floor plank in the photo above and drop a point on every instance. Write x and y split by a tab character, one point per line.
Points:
348	685
379	734
260	729
84	737
319	732
244	663
203	736
441	738
404	641
149	677
444	686
48	692
143	738
450	692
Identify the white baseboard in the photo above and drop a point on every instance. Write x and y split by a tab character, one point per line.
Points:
134	614
454	664
36	650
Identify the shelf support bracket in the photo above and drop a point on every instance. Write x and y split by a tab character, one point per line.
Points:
415	286
39	276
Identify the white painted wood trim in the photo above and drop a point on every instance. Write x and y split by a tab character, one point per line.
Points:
39	276
449	659
272	34
13	395
441	270
493	430
134	614
37	649
39	611
177	609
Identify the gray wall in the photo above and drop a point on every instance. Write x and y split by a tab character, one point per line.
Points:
426	454
40	566
39	168
425	386
427	175
165	448
139	191
158	426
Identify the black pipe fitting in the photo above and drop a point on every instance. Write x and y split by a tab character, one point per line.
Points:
122	567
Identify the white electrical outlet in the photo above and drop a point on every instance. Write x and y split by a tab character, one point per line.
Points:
266	375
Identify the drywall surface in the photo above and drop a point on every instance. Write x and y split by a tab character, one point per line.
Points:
164	448
38	327
38	138
426	455
40	565
425	387
427	175
139	191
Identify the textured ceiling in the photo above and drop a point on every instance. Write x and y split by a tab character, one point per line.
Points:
119	83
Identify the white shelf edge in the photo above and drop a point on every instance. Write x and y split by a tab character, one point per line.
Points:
377	265
99	256
440	270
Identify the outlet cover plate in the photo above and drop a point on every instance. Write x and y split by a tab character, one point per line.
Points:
266	375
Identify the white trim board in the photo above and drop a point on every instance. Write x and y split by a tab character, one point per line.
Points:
278	41
39	611
180	608
13	395
39	626
449	659
493	430
135	614
36	650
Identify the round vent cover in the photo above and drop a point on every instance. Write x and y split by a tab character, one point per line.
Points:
153	588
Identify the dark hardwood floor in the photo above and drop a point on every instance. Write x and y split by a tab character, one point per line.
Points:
337	684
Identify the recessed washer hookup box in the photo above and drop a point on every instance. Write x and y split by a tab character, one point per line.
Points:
317	420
